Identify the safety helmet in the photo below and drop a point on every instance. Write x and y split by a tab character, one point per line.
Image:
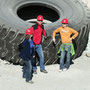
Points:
40	18
65	21
28	31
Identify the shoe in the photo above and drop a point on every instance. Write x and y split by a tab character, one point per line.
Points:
65	69
44	71
60	70
35	72
31	82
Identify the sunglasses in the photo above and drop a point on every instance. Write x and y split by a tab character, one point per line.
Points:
64	23
40	21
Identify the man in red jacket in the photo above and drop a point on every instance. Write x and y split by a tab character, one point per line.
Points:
38	30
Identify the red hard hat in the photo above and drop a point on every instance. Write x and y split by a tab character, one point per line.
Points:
28	31
65	21
40	18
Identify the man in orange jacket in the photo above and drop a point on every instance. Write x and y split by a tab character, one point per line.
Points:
66	39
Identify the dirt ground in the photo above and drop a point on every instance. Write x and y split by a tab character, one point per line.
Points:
76	78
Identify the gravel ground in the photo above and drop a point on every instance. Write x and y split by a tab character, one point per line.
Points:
76	78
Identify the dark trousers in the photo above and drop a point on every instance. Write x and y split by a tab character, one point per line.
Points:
27	70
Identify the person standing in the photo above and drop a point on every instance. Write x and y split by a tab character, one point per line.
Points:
38	31
27	53
67	35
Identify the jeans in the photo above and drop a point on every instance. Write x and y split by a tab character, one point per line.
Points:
38	49
64	64
27	70
34	64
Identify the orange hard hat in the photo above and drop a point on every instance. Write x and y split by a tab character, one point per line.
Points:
40	18
28	31
65	21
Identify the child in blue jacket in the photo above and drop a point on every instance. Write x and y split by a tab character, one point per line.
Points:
27	54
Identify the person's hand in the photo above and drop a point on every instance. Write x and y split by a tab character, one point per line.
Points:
34	56
54	40
71	39
45	37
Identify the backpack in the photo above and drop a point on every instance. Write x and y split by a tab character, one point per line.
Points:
20	47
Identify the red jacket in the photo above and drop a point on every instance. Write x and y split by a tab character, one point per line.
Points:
38	30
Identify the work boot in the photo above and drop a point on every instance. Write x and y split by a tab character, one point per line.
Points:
65	69
35	72
31	82
60	70
44	71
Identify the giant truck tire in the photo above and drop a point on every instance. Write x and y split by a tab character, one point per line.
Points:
13	22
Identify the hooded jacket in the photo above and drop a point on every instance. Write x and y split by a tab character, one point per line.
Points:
25	50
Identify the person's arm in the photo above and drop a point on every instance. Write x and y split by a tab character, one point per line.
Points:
44	33
54	33
27	49
75	34
32	28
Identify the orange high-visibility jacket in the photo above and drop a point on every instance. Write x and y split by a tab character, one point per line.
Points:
65	34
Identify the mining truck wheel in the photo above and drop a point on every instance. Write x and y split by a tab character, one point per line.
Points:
14	17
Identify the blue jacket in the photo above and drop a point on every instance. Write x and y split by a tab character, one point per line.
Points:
25	50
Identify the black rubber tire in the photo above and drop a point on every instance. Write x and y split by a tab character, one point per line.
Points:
12	28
